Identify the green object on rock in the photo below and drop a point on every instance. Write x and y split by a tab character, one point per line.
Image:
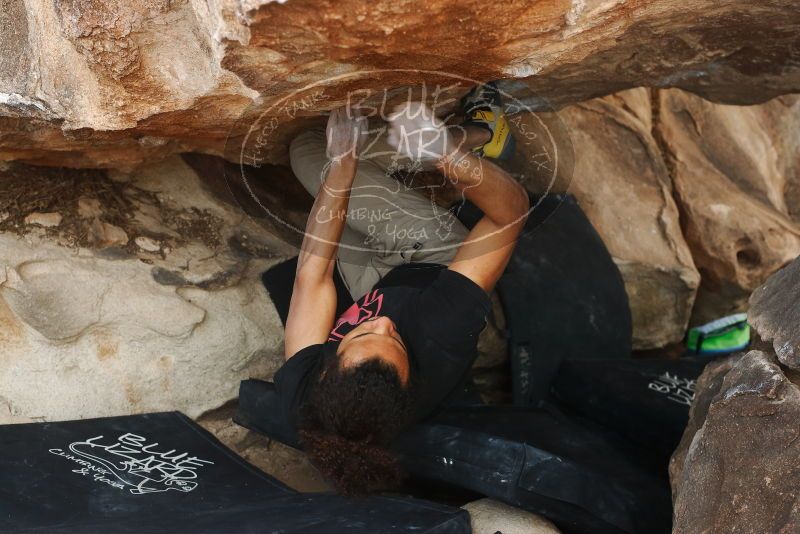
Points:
728	334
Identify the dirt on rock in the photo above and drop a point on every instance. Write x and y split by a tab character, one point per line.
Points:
27	190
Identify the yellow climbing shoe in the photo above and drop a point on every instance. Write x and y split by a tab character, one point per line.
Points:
483	107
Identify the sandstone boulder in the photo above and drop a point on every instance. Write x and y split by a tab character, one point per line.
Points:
489	517
114	83
730	167
775	313
92	329
679	187
736	467
624	187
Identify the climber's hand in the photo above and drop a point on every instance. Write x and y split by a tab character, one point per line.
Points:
346	132
416	133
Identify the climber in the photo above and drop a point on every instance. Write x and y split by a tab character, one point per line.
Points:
419	279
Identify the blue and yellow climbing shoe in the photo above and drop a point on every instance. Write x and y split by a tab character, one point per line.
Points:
484	109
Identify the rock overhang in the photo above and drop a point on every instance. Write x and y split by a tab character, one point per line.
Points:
96	84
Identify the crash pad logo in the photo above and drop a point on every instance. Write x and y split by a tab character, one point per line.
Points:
132	463
677	389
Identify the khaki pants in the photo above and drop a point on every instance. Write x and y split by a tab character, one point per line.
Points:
388	224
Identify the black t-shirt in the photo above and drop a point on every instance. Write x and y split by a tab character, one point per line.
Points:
439	313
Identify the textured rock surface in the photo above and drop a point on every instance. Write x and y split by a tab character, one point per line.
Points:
734	170
113	83
92	329
489	517
624	187
775	313
673	184
736	467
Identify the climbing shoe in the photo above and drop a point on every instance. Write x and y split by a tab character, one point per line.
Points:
483	107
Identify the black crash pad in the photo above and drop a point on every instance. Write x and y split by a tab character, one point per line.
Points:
582	479
563	297
645	400
163	473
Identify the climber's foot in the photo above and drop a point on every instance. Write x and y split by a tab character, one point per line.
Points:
484	109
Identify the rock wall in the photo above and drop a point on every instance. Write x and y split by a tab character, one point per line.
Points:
693	199
99	83
135	293
735	469
775	314
734	170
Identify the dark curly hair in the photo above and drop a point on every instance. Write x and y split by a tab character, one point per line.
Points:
348	421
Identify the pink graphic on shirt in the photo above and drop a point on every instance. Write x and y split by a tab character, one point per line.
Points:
356	314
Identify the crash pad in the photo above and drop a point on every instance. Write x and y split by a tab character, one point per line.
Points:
580	478
162	472
645	400
563	297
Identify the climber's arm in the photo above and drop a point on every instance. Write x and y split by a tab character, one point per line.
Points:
312	309
485	253
417	133
313	306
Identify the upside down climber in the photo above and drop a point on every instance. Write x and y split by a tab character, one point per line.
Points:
420	281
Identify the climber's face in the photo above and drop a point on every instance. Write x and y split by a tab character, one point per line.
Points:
375	338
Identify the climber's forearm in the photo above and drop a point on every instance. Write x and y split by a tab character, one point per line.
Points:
326	222
312	309
485	253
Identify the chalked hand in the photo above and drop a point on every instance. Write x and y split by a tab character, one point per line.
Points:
416	133
346	133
